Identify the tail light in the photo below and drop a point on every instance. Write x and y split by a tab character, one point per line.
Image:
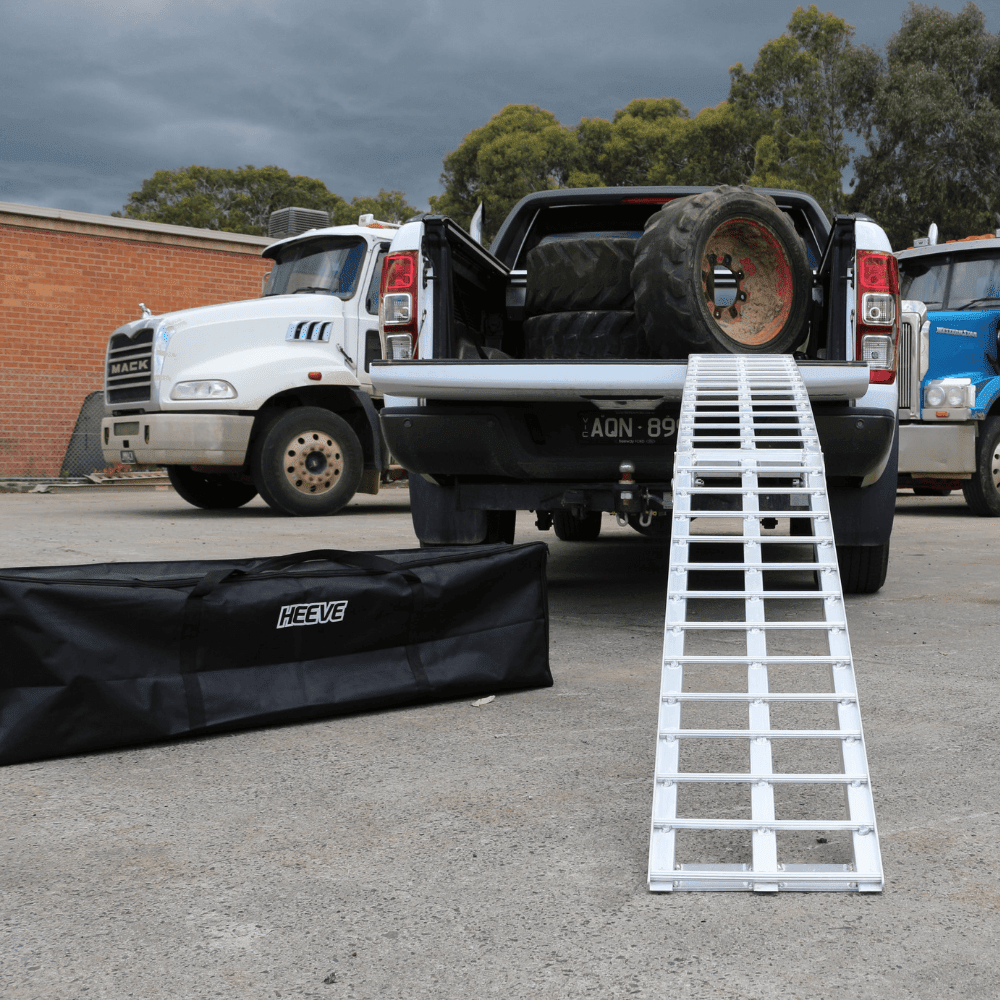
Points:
877	276
397	309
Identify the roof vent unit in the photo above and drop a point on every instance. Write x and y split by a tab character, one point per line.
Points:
287	222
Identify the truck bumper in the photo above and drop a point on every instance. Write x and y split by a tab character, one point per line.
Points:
937	449
176	438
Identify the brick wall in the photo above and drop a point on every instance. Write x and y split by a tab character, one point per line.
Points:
67	280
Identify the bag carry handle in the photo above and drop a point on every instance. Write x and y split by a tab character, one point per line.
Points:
360	560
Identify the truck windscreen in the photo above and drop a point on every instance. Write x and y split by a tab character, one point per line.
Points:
951	281
328	266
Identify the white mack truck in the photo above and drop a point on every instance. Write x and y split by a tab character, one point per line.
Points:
268	396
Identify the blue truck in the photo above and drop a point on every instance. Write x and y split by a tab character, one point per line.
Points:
949	372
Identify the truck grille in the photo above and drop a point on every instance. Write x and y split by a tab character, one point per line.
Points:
904	367
129	376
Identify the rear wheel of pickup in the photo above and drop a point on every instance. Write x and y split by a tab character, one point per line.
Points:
571	528
209	490
982	491
761	304
598	335
863	568
570	275
308	462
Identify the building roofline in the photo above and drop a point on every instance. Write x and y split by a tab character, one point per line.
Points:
131	227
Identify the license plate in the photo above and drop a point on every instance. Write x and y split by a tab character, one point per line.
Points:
625	428
128	456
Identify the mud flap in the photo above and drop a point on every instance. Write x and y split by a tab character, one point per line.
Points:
865	516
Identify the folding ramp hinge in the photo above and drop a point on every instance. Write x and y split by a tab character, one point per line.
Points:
761	776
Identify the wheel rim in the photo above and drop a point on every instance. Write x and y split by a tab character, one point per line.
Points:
763	274
313	463
995	467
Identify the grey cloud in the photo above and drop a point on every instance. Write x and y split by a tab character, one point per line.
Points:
97	96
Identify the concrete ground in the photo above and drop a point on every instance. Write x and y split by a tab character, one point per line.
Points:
448	851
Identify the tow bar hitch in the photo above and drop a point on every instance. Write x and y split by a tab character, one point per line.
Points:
628	495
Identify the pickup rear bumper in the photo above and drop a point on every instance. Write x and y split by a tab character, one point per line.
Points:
540	442
578	381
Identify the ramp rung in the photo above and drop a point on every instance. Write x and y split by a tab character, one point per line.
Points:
759	734
771	779
747	420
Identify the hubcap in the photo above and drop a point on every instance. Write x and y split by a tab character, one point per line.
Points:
995	467
763	275
313	463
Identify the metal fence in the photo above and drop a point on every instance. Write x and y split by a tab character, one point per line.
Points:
83	453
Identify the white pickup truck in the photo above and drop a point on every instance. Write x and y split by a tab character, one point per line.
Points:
271	395
545	374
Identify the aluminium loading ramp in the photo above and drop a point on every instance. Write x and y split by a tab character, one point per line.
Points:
774	794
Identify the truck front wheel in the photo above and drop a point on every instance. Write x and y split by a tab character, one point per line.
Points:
209	490
308	462
982	491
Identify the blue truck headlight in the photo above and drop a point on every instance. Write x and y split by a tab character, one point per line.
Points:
953	393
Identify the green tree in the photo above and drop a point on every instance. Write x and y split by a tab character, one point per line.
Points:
714	147
240	201
519	150
386	206
794	100
625	150
928	112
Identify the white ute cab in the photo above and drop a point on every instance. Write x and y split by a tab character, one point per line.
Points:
268	396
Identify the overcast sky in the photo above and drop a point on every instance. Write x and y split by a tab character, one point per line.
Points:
99	94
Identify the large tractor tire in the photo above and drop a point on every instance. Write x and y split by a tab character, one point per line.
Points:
209	490
674	276
575	275
308	462
597	335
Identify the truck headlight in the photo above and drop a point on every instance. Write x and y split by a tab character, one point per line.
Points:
214	388
952	392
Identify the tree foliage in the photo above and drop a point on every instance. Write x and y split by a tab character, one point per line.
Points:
793	100
928	111
240	201
519	150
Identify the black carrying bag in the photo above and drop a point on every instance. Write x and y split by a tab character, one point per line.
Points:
120	654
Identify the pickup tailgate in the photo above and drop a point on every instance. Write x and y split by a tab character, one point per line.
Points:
499	381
